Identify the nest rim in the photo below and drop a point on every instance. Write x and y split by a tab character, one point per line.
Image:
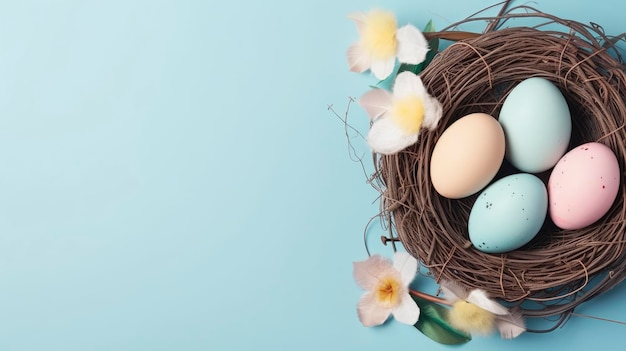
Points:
545	277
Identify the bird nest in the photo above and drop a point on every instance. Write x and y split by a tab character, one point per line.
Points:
558	269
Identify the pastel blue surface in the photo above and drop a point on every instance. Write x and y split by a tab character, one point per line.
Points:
171	178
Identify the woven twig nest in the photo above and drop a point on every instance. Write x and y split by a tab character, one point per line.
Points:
559	269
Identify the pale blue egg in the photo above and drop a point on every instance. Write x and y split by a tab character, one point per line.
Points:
537	125
508	213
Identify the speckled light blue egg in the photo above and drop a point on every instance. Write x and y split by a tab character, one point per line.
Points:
537	125
508	213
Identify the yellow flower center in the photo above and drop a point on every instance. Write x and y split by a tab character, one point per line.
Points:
470	318
379	35
408	113
388	291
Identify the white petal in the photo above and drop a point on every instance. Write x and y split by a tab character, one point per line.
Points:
386	138
407	311
412	45
359	19
511	325
432	113
376	102
358	60
409	84
479	298
452	291
383	68
371	313
406	265
367	273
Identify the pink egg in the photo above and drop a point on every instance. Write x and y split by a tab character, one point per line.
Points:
583	185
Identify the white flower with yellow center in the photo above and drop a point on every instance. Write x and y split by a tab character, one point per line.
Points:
381	42
474	312
387	286
397	118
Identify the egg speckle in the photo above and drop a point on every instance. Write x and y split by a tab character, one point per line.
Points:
583	185
508	213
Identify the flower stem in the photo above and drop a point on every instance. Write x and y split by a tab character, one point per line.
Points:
430	298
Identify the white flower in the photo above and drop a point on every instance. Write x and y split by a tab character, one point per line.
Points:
475	312
387	286
397	118
381	42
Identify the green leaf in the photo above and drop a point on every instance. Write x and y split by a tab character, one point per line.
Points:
433	44
434	325
429	27
413	68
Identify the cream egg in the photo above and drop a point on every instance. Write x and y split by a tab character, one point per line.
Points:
467	156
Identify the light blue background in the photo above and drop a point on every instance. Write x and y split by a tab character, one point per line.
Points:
171	178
